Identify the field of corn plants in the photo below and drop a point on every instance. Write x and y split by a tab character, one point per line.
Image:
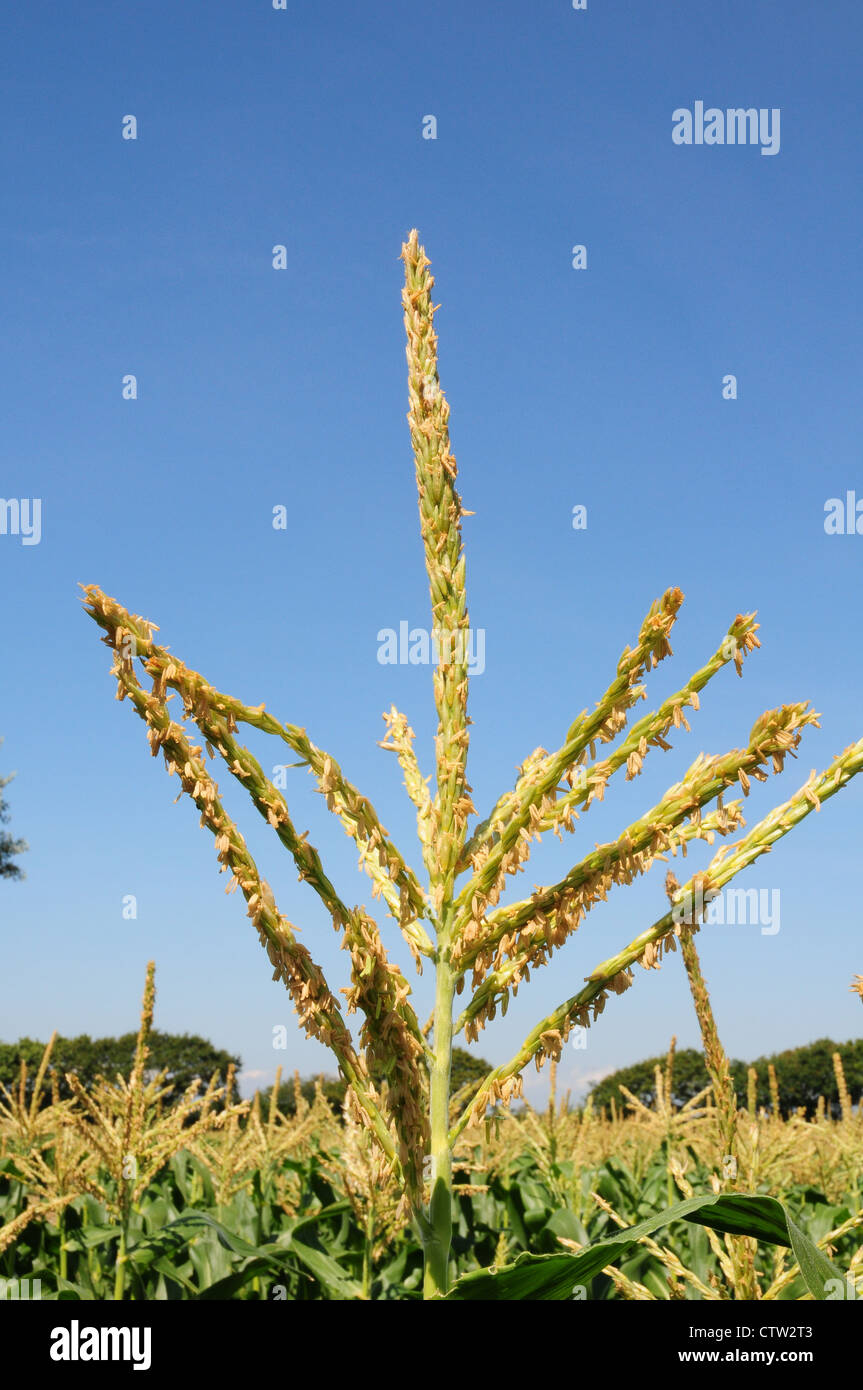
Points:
242	1201
416	1193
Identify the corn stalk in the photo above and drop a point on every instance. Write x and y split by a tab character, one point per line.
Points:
455	920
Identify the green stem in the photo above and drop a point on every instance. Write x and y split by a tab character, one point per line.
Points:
438	1232
64	1258
120	1273
367	1253
94	1268
671	1190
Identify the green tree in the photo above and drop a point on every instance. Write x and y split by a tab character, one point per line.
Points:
333	1087
690	1077
803	1074
186	1056
468	1073
9	847
466	1067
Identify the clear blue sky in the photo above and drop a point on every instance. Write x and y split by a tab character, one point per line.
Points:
260	387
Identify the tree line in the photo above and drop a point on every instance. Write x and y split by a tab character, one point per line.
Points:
186	1057
802	1073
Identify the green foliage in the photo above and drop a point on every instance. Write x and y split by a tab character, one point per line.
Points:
184	1244
467	1070
333	1087
186	1056
690	1077
554	1277
803	1074
9	847
466	1067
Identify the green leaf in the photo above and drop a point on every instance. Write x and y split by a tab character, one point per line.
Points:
324	1269
67	1292
565	1223
226	1288
175	1275
226	1238
89	1237
556	1276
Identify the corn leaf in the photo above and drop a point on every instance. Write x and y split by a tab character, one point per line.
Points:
555	1277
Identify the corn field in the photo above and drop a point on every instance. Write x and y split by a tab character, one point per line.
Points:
242	1201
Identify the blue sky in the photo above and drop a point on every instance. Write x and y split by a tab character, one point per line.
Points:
260	387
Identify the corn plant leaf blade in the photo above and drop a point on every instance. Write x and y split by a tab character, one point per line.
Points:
554	1277
67	1291
322	1267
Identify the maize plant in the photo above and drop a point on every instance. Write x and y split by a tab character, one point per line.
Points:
453	919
